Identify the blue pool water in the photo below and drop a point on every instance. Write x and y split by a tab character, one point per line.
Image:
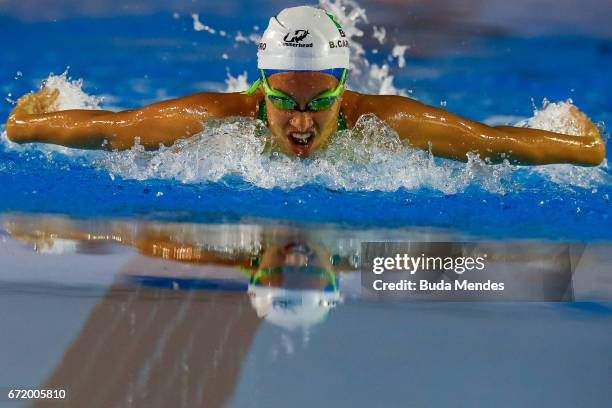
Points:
124	276
134	60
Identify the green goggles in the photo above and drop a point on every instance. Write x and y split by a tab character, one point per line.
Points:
328	276
283	101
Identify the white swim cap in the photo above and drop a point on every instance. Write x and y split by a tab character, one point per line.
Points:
290	308
303	39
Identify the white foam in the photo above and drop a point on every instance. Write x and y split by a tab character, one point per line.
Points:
364	77
251	38
236	84
198	26
379	33
71	94
554	117
398	52
370	157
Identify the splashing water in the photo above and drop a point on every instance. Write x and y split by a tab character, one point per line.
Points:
366	77
199	26
236	84
366	158
71	93
554	117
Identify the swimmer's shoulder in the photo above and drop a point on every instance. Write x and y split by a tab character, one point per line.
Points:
220	104
355	104
350	106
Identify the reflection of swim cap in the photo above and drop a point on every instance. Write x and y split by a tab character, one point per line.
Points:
292	309
303	39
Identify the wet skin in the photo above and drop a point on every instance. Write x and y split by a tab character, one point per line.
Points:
36	119
303	87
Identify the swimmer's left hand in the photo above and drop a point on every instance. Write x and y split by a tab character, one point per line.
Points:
588	129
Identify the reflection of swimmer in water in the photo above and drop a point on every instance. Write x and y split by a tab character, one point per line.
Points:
290	281
164	342
287	270
303	59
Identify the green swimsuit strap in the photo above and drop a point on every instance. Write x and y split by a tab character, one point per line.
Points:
263	116
262	110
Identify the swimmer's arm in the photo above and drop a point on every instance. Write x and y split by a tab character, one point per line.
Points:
452	136
158	124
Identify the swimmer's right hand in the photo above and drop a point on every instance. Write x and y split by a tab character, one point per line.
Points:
43	101
19	126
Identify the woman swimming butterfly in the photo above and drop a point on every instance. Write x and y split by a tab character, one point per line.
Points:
303	63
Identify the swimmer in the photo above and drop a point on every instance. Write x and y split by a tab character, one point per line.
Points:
303	63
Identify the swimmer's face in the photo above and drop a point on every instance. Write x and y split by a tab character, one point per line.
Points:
296	132
295	259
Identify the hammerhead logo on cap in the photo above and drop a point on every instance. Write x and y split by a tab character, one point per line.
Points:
296	37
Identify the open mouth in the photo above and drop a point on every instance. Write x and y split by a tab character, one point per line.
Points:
301	141
301	138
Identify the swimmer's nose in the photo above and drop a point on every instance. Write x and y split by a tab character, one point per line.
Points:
301	121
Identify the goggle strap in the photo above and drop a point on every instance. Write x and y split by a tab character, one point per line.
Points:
252	89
